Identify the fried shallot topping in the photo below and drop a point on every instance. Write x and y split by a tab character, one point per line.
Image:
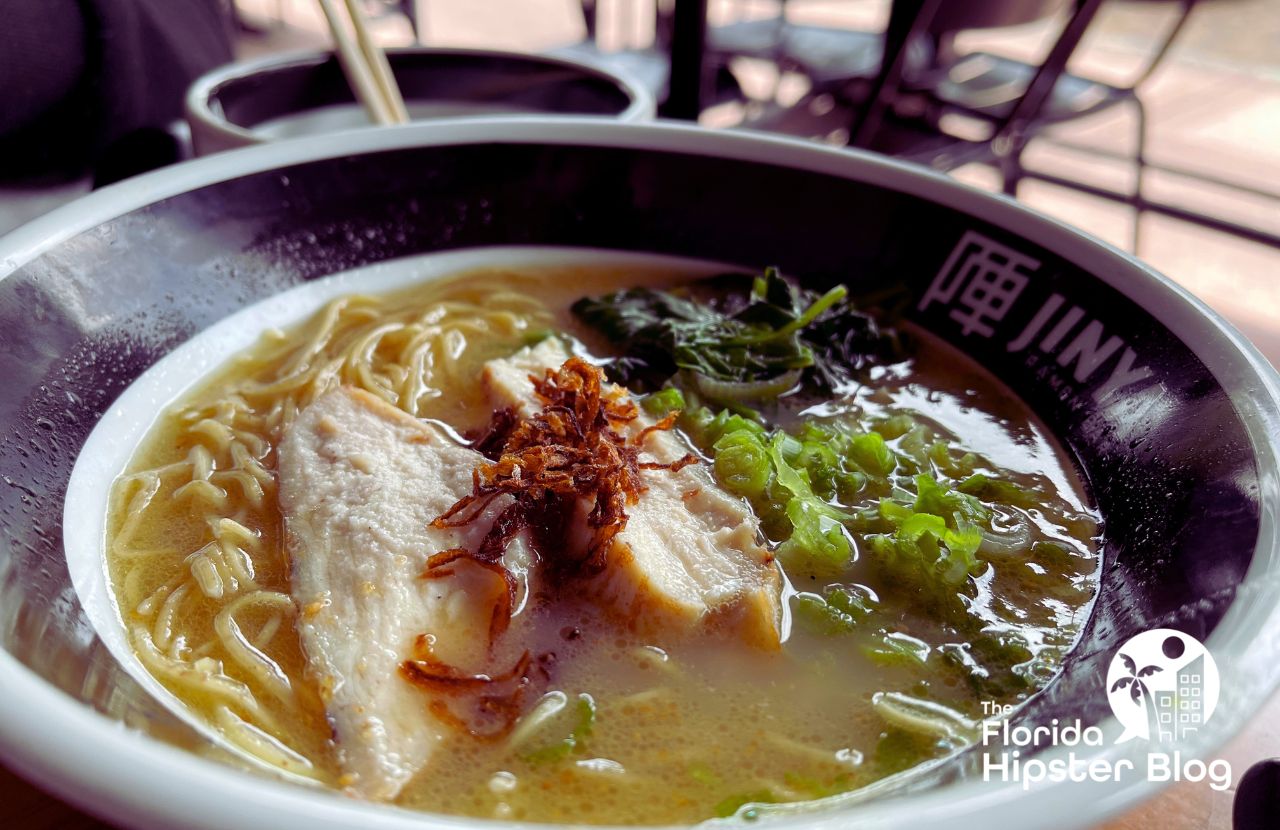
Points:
570	452
486	706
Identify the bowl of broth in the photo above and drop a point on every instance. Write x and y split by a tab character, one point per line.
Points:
306	93
571	472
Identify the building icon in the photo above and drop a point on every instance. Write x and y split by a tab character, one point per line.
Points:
1180	712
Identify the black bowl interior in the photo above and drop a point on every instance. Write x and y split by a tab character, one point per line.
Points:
1166	456
514	82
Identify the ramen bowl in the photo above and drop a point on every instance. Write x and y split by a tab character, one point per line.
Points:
306	93
1170	416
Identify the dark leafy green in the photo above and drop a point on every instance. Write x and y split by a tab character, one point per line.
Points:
781	329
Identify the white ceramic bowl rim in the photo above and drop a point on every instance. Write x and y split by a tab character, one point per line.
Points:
115	772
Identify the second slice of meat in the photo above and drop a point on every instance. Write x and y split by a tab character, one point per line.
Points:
690	556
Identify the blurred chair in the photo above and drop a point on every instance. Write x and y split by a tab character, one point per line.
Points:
823	54
906	111
650	64
840	61
827	56
843	60
1010	100
857	72
989	88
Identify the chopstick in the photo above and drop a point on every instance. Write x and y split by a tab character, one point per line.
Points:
377	60
365	65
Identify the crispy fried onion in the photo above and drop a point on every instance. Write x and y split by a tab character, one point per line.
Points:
569	453
486	706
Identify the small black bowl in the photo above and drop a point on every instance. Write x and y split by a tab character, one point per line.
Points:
306	93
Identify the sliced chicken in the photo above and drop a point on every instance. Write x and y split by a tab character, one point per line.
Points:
690	554
507	383
360	483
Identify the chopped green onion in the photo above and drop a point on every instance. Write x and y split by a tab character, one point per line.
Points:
838	611
898	649
742	463
663	402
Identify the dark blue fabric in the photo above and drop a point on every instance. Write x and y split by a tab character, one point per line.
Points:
77	75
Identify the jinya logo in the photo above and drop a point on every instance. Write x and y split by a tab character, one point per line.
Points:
1162	685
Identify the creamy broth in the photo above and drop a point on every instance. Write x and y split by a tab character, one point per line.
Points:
684	729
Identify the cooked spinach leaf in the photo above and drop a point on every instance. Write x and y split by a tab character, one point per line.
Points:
783	333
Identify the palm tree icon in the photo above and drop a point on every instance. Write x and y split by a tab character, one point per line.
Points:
1138	690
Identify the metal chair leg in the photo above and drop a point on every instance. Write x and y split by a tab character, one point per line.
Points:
1011	172
908	18
1140	167
415	11
589	17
